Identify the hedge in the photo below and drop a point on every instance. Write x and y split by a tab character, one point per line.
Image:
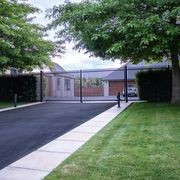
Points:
155	85
24	86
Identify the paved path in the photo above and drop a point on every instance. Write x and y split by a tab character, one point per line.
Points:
38	164
24	130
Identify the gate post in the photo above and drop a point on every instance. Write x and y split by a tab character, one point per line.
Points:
125	84
15	100
41	86
81	93
118	99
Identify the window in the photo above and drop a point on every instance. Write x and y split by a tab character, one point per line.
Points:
67	84
59	83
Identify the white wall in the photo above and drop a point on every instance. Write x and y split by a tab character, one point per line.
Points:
62	91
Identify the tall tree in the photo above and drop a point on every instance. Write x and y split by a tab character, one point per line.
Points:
21	42
133	30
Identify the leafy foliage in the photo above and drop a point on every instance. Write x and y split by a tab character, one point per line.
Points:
24	86
89	82
132	30
21	42
126	29
152	87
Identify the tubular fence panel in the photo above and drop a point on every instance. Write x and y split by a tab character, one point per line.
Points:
82	85
62	86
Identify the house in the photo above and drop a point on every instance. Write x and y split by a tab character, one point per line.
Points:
58	83
114	82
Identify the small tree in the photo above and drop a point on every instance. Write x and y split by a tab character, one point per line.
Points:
21	42
132	30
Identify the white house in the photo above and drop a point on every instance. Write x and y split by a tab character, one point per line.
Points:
59	84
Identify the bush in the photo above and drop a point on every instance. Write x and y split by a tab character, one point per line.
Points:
24	86
155	85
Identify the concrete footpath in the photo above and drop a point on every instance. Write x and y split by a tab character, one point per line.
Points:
40	163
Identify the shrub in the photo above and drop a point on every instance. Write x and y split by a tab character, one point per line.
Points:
155	85
24	86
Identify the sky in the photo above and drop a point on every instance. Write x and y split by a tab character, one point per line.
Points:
71	60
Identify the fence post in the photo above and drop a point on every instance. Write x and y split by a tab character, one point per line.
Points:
125	84
41	86
15	100
118	99
81	93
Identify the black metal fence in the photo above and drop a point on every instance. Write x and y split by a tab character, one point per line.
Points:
86	85
94	85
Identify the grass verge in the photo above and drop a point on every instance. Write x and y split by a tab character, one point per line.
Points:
141	143
5	104
10	104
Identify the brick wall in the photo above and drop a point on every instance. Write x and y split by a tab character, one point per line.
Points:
117	86
89	91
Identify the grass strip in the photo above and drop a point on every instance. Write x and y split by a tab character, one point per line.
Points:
143	142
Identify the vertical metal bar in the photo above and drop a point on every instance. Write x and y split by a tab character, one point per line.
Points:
41	86
15	100
81	84
118	99
125	84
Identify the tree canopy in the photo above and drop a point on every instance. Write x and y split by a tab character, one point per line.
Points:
126	29
21	42
133	30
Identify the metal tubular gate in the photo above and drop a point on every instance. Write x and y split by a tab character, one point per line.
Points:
84	85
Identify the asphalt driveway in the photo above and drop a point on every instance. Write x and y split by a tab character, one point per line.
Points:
25	130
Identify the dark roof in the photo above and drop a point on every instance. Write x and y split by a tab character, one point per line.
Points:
60	71
57	68
118	74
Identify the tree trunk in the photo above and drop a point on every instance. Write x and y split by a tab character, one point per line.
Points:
175	78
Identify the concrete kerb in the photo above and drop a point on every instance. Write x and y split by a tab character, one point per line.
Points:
20	106
38	164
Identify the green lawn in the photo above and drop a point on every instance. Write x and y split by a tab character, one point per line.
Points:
10	104
141	143
5	104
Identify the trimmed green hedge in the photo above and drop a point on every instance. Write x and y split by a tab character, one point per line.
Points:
24	86
155	85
